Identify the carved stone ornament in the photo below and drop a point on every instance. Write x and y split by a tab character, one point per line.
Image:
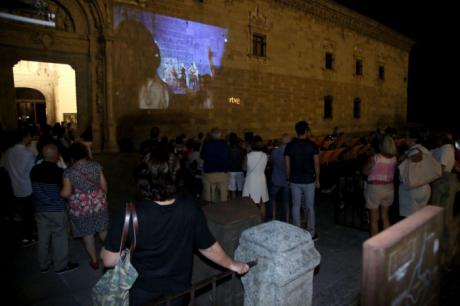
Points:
329	45
258	21
44	39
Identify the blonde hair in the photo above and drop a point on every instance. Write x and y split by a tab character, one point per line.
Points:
388	147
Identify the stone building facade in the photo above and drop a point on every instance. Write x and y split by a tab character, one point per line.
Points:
241	65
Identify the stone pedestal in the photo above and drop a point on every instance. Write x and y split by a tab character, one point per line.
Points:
286	259
226	221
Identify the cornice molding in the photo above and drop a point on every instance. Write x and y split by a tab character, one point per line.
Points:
334	13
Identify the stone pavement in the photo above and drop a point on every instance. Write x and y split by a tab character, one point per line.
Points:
337	283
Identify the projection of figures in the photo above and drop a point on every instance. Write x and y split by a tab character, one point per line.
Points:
187	56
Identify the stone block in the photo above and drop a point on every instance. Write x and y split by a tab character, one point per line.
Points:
401	265
286	259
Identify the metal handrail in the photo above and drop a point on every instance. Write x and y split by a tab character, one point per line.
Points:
201	284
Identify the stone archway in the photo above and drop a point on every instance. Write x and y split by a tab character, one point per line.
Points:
81	39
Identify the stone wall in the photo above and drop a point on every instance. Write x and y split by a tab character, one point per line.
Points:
275	91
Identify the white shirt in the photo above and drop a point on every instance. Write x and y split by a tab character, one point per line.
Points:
445	155
19	160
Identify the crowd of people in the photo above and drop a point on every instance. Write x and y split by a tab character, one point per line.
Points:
55	184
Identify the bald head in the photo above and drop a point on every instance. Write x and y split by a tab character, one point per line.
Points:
50	153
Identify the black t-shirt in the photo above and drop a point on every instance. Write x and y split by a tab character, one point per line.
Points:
237	155
165	242
301	152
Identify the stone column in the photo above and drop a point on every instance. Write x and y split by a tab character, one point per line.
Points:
286	259
8	112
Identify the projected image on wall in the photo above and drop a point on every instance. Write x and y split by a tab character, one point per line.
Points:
188	52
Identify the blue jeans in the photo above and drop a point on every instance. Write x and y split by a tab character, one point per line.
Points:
281	206
309	193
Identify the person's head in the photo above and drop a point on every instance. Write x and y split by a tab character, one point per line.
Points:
154	133
50	153
78	151
388	147
446	138
157	185
285	138
257	145
215	134
301	128
23	136
413	138
233	139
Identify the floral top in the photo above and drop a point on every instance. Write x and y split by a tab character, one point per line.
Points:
85	176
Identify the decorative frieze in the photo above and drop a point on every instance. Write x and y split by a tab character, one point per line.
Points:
333	13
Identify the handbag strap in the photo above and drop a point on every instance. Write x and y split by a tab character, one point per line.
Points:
97	185
258	161
130	214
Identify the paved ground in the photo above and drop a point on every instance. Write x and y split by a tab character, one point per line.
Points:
338	282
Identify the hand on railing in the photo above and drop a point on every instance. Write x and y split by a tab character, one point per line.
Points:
242	267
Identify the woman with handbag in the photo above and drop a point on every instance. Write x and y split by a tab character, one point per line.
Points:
85	187
417	170
169	229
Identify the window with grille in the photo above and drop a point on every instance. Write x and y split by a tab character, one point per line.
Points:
359	67
259	45
381	72
329	61
357	108
328	107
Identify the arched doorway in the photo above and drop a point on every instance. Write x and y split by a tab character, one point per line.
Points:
74	33
30	105
57	84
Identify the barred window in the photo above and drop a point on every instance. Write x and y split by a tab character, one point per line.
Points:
328	107
357	108
259	45
329	61
359	67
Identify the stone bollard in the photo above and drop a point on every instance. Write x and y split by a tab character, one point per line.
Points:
286	259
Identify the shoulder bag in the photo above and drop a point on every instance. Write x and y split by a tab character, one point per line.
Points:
113	287
418	173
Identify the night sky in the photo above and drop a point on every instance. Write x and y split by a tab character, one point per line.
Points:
433	85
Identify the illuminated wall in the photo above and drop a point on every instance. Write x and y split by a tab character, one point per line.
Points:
188	66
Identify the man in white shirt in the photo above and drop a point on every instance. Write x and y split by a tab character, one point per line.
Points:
19	161
444	189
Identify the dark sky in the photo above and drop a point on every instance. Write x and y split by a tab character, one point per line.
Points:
434	60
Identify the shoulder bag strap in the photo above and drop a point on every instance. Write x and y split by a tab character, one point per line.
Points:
97	185
135	226
130	214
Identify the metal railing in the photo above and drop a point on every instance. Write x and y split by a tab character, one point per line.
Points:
211	282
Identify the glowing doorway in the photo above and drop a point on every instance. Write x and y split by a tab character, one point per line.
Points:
45	88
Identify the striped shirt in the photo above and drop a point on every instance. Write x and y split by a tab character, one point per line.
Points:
46	187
